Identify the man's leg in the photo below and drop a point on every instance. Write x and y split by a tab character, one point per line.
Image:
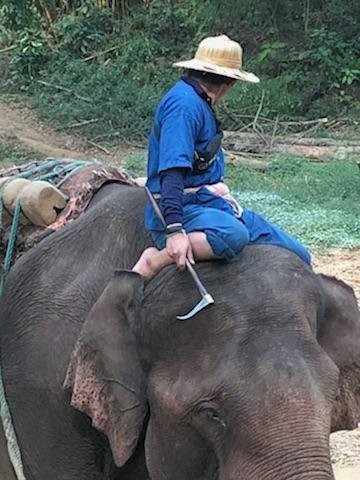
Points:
153	260
212	233
263	232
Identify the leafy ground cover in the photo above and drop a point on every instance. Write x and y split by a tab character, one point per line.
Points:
319	203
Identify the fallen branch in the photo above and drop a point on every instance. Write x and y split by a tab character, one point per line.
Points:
238	160
314	153
7	172
135	145
84	122
294	140
259	109
244	118
59	87
316	121
48	19
97	54
96	145
8	49
311	148
274	131
106	135
254	123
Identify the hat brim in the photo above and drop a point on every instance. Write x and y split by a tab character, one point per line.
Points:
234	73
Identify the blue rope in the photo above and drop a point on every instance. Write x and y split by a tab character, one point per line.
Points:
57	167
10	435
9	431
11	244
67	168
47	165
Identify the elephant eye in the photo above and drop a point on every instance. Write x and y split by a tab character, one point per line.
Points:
211	414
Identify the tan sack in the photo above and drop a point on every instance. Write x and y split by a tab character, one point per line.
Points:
39	201
3	180
11	193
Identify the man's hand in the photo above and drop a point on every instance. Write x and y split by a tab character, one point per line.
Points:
178	247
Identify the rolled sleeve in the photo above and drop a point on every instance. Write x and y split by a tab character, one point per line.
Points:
177	141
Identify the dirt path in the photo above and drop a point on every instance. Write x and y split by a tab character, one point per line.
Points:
19	126
343	264
347	473
345	451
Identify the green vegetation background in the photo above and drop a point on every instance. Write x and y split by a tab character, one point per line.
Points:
116	62
113	65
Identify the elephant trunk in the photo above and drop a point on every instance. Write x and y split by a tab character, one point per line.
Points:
294	471
301	462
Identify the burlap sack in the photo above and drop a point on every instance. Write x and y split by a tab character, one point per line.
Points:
41	202
3	180
10	194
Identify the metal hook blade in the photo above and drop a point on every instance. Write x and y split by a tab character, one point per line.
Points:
204	302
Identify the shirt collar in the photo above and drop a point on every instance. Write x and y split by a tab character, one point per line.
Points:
198	88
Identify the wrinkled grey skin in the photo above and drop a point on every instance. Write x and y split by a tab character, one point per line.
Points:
6	470
243	390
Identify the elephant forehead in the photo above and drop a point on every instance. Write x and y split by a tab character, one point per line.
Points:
177	386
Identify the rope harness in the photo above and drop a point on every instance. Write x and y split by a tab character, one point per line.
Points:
49	170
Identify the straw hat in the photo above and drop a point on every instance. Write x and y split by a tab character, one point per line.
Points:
221	56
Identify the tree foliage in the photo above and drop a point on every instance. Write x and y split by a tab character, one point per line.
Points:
306	52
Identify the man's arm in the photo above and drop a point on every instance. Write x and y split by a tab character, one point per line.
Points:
172	191
179	131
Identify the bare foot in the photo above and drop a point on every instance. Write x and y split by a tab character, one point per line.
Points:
146	266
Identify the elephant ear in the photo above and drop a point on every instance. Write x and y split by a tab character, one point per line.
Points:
339	336
104	375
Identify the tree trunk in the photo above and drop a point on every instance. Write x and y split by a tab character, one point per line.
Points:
320	150
238	160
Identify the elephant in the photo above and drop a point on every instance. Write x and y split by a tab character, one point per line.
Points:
105	383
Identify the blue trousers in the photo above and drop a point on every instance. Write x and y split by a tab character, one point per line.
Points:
228	235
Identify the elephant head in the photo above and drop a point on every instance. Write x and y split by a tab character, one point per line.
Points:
339	335
243	390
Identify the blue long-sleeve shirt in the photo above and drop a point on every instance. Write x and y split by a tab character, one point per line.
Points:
184	122
172	190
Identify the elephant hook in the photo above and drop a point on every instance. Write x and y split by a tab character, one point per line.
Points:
206	298
204	302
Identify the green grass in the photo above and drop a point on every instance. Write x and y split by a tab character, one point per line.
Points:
136	165
317	202
14	155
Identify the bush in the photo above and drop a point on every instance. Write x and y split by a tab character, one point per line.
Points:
308	62
122	104
82	33
337	64
31	55
20	14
